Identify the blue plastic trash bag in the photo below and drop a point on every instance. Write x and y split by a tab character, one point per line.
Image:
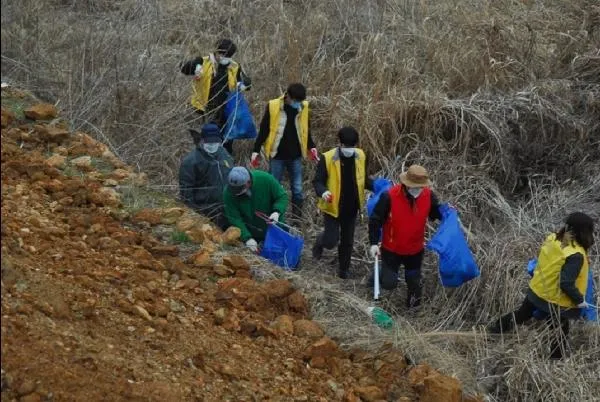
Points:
282	248
588	314
380	185
240	123
457	264
531	266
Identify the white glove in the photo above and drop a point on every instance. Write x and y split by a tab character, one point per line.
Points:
241	86
327	196
374	251
252	245
274	216
583	304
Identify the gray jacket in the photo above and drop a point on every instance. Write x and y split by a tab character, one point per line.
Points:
202	179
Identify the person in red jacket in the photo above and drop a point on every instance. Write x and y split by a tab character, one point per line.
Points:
403	211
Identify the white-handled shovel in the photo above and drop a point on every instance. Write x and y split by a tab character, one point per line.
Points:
376	280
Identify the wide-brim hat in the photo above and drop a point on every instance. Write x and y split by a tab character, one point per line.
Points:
415	176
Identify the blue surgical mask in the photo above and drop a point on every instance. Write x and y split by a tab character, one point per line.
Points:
296	105
225	61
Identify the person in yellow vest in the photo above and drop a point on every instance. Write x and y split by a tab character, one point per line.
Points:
215	76
340	183
559	283
285	136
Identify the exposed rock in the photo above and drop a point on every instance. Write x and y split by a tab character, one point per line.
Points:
176	307
324	347
201	259
150	215
165	249
53	134
297	302
7	117
169	216
439	387
142	312
370	393
41	111
278	288
236	262
231	236
417	374
350	396
227	319
57	161
105	196
186	222
82	162
283	324
307	329
223	271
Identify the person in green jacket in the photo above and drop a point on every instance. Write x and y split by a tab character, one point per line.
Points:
250	192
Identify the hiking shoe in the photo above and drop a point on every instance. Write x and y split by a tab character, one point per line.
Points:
344	274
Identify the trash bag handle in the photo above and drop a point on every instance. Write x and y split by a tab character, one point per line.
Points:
270	221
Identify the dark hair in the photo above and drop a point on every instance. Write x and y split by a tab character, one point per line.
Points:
348	136
581	227
227	47
296	92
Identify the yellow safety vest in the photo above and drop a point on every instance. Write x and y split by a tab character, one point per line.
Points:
546	277
334	181
275	129
201	85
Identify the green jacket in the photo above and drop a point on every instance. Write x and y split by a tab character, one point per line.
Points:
267	196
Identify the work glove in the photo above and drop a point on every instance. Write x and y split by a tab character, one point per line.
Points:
252	245
314	155
327	196
583	304
241	86
254	160
274	216
374	251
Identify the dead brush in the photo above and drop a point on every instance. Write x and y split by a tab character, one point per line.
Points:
499	100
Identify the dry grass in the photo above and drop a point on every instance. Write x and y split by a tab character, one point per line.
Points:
500	100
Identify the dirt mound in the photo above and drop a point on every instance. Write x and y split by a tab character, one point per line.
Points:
96	307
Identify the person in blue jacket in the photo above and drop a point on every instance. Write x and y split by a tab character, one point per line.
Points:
203	174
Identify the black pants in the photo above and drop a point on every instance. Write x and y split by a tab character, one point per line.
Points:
388	276
558	324
339	232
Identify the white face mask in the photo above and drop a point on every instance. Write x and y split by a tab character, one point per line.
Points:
224	61
415	191
211	147
347	152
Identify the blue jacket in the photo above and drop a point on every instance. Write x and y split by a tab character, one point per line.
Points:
203	177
